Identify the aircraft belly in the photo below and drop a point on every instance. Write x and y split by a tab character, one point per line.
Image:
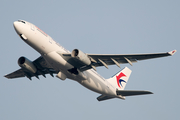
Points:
40	44
57	62
97	84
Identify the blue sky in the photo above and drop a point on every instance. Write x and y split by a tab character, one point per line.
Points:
103	27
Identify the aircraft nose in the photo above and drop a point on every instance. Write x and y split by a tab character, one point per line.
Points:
16	25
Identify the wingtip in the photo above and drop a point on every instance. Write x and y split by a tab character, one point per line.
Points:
148	92
6	76
172	52
151	92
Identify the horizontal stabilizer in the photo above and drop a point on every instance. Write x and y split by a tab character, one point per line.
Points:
132	92
104	97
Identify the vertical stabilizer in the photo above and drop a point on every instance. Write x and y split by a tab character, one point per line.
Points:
120	79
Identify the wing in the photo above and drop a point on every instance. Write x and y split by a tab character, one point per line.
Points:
111	59
126	58
42	69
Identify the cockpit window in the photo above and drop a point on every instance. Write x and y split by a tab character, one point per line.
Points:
22	21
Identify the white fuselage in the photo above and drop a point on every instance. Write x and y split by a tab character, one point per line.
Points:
51	51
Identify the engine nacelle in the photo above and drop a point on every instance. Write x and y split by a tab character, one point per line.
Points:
27	64
82	57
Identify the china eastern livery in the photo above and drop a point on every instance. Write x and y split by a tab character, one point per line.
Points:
76	65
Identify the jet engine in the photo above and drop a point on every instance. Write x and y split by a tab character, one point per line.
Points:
82	57
26	64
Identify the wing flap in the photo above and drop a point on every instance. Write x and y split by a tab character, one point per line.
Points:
132	92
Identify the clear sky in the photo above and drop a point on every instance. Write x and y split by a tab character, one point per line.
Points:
94	26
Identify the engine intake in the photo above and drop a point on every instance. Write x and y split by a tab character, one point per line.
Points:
82	57
26	64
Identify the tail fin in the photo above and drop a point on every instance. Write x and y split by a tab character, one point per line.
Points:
120	79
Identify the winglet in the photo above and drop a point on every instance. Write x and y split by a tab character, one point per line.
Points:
172	52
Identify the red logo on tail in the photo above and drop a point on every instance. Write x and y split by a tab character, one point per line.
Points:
119	80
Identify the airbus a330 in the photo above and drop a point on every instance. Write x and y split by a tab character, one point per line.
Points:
76	65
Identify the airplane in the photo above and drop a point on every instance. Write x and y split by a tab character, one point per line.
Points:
76	65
